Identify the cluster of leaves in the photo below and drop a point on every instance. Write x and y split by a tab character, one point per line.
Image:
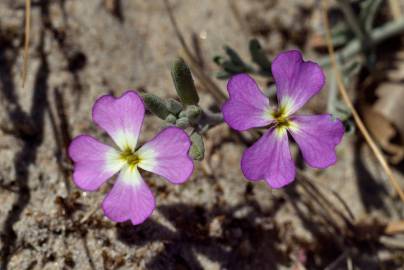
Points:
344	33
232	63
357	26
185	113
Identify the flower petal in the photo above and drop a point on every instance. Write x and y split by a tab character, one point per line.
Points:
296	80
94	162
270	159
317	137
247	106
167	155
129	199
120	117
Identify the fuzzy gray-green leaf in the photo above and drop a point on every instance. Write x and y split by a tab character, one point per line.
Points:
183	82
258	56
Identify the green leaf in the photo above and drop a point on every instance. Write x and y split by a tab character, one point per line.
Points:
258	56
234	57
218	59
233	68
368	12
183	82
223	75
352	68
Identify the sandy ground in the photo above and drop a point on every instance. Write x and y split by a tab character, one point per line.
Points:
217	220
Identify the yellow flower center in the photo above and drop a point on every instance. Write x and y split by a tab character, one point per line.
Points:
130	157
281	118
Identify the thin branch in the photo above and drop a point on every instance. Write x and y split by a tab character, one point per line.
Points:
341	86
26	41
323	200
175	26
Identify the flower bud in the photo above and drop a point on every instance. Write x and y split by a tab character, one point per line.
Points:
194	114
197	150
156	105
170	119
182	123
183	114
173	106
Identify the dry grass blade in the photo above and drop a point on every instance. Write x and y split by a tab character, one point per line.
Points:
26	40
341	87
186	53
325	203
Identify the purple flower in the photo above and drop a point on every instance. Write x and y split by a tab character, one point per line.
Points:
317	135
94	162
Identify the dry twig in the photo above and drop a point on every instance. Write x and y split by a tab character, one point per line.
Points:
26	41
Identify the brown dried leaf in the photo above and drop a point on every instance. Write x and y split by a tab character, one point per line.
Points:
394	227
383	131
391	104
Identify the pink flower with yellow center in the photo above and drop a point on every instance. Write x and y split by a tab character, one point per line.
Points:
316	135
94	162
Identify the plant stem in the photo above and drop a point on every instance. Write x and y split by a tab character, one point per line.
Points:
211	118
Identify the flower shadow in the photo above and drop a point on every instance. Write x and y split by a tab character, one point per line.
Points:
219	236
27	126
372	192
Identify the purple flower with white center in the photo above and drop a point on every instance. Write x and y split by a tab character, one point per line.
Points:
316	135
94	162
